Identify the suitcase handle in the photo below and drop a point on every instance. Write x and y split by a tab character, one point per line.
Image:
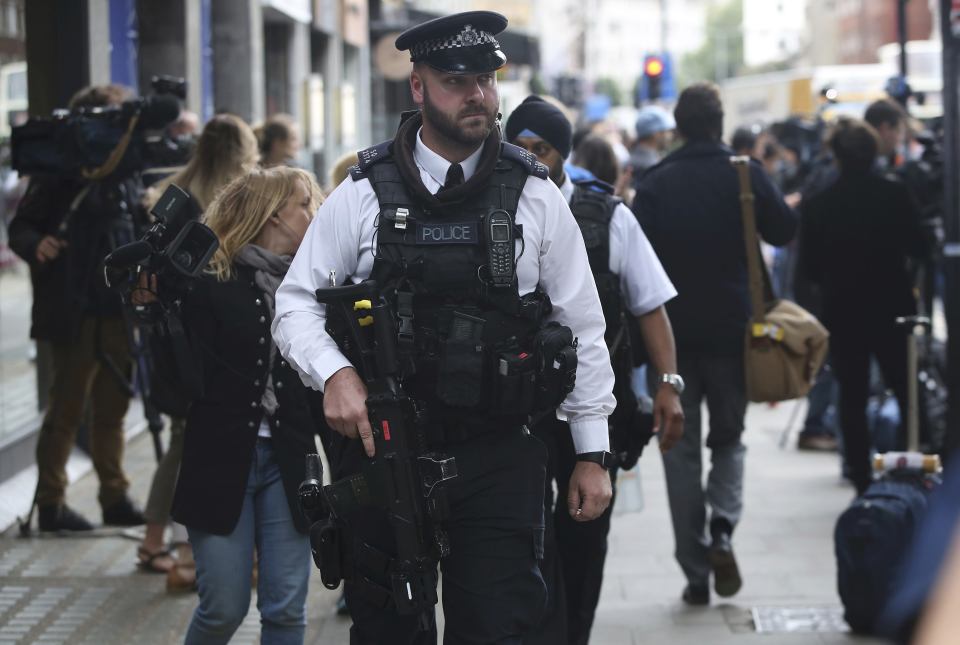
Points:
917	327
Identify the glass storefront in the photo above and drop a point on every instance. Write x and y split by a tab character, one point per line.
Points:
18	380
18	373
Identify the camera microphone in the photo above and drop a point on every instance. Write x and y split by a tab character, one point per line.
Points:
158	111
129	254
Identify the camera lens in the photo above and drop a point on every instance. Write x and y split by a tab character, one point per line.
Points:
183	259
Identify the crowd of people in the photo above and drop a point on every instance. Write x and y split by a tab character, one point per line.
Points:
633	245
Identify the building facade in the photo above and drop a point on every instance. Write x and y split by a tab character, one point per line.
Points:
863	26
773	30
595	39
254	58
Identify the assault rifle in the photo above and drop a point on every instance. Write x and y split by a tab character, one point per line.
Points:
402	478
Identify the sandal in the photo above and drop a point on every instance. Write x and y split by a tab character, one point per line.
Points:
182	577
148	560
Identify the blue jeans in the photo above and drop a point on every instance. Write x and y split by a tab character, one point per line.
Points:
225	565
822	405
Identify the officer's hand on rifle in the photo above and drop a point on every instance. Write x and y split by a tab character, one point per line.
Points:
345	407
590	491
667	417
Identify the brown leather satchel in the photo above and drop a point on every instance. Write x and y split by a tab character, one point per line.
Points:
785	344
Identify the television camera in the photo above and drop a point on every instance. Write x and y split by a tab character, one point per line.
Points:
100	142
173	252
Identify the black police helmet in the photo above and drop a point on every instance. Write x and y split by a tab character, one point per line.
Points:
463	43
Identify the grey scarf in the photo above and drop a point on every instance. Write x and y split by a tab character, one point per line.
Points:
269	270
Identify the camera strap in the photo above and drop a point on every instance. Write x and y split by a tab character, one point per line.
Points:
74	207
116	155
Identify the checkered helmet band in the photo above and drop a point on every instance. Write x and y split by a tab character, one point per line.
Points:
468	37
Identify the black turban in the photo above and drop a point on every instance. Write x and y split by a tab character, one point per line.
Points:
536	116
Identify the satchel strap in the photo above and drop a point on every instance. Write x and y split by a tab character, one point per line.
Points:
755	268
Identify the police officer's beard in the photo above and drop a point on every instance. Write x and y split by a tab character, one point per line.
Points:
450	128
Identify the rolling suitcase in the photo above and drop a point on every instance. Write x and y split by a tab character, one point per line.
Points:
873	534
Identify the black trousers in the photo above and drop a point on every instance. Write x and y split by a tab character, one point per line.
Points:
850	353
492	589
574	552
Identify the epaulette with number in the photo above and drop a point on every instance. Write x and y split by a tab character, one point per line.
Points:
525	159
369	157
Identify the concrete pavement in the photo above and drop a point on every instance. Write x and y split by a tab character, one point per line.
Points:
87	590
784	547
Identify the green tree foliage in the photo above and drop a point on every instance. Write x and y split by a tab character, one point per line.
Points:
537	86
721	55
609	87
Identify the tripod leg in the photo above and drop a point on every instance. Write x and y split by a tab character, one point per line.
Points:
24	524
785	435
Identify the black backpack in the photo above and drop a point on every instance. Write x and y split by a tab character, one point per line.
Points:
592	206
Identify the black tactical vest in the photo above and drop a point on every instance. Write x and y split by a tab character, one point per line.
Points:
466	347
592	206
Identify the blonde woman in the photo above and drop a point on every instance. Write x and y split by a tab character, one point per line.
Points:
226	149
246	436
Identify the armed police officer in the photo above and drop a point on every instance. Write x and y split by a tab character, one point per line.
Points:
476	252
630	282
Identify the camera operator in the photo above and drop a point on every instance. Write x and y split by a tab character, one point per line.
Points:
226	149
248	431
63	228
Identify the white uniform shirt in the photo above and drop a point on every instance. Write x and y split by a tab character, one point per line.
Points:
341	239
643	282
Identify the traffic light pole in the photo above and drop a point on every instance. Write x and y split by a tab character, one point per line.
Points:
950	36
902	36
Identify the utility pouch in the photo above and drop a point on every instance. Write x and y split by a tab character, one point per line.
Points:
516	383
460	379
556	356
326	545
338	327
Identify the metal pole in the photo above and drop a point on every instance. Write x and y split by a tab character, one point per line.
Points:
951	217
663	27
720	56
902	36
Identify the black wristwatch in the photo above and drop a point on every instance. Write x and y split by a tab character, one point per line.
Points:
602	457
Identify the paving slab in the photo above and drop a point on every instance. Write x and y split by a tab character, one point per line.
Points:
88	589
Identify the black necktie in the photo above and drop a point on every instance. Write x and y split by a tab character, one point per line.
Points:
454	177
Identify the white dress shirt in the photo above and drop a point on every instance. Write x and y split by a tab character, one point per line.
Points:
643	282
341	239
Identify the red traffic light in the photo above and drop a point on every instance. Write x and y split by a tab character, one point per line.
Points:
653	66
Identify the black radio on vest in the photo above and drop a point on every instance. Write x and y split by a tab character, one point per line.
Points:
592	206
500	248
